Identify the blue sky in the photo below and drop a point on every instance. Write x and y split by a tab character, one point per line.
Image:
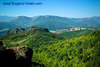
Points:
63	8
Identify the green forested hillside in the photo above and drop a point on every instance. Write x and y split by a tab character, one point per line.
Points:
77	33
83	51
30	38
53	50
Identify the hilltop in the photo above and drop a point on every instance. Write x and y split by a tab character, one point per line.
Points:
40	36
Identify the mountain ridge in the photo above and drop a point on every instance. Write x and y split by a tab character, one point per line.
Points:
53	22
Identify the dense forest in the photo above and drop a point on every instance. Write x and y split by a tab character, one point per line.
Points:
69	49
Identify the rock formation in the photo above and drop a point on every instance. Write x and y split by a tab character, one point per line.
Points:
39	29
14	31
22	51
77	28
71	29
15	56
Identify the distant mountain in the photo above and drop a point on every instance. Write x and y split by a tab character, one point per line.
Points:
55	22
52	22
87	22
6	18
96	18
74	19
5	26
21	21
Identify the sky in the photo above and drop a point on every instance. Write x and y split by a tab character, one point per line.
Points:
63	8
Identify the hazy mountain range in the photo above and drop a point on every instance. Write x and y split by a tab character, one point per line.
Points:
5	18
47	21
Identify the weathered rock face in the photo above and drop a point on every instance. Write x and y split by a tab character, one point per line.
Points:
8	56
32	28
23	51
46	30
14	31
39	29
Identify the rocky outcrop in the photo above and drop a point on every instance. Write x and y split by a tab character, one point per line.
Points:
23	55
77	28
39	29
14	31
74	29
15	56
34	29
22	51
71	29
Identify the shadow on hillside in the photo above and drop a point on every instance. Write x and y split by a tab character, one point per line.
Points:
34	64
8	59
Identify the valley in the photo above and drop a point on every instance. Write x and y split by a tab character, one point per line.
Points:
51	41
53	23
